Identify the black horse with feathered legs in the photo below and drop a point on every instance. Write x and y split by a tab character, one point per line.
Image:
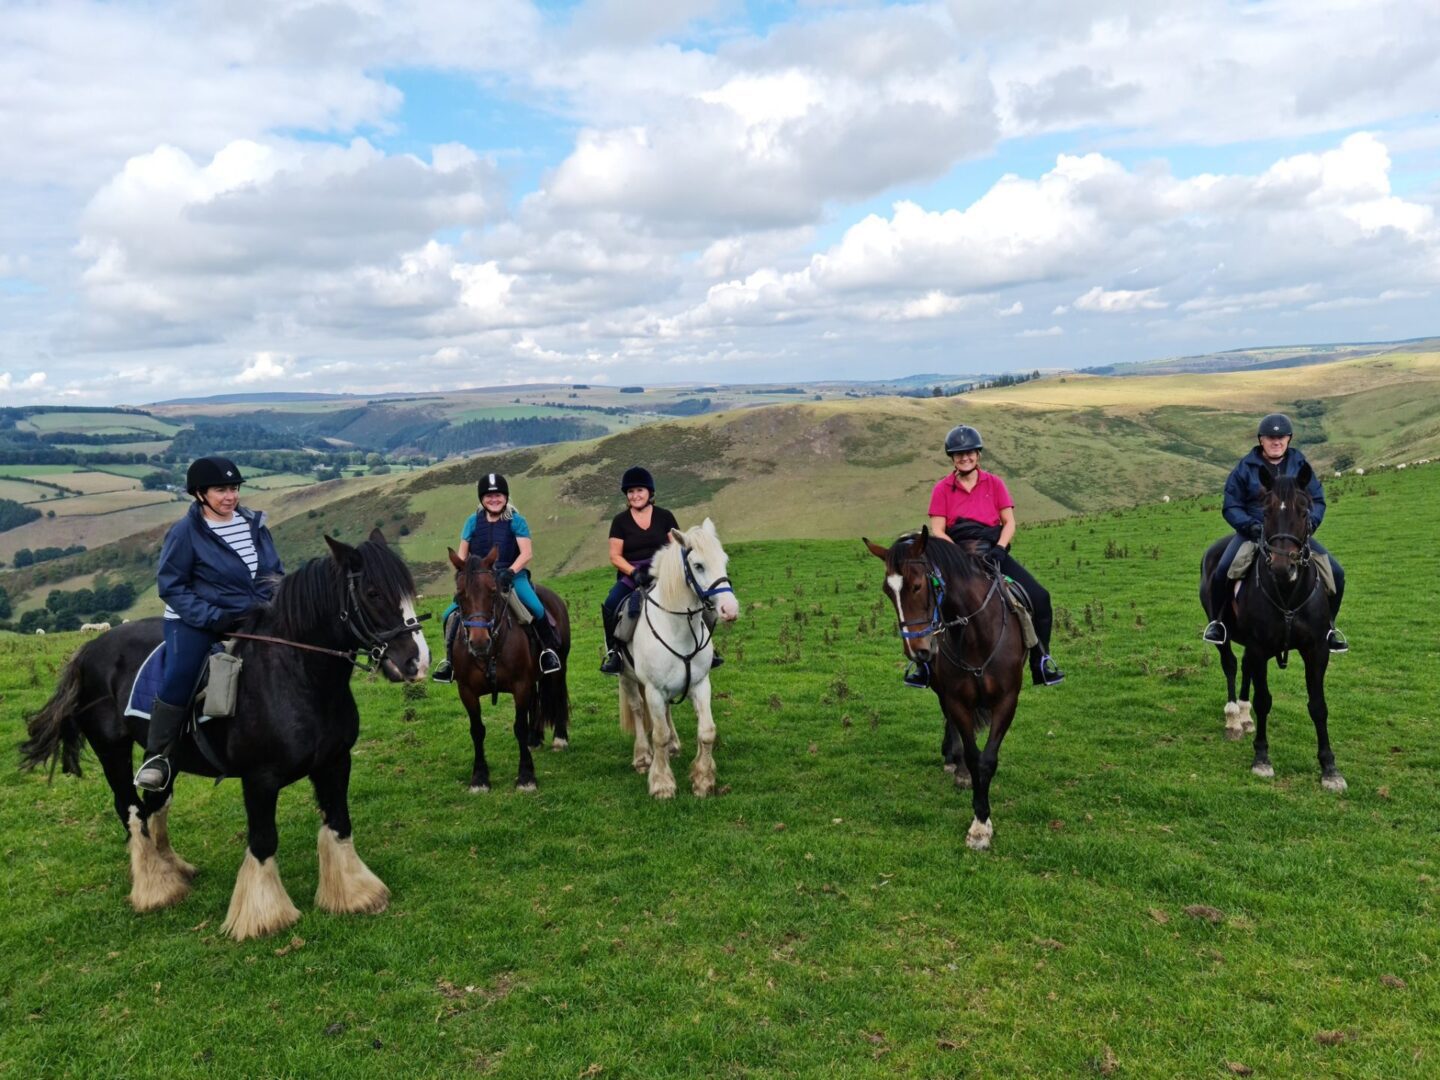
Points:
295	717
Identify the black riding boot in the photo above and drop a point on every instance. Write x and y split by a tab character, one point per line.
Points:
166	721
612	664
549	646
1043	670
712	617
1215	632
444	671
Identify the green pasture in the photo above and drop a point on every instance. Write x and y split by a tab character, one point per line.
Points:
273	481
1149	908
514	412
94	423
22	471
149	448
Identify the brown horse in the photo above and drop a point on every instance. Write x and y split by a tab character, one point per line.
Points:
1281	607
499	657
954	617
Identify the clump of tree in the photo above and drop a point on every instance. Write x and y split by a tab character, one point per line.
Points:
14	514
26	557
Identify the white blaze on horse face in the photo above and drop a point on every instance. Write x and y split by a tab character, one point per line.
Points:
407	609
893	584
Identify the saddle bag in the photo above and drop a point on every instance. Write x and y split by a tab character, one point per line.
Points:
628	616
518	609
1020	603
1245	557
223	688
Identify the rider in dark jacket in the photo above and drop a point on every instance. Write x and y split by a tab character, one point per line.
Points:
1244	510
216	564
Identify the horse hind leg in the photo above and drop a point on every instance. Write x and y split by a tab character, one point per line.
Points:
156	881
159	824
259	905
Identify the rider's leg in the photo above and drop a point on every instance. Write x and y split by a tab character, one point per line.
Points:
1043	670
444	671
185	651
609	616
1335	639
1220	590
549	639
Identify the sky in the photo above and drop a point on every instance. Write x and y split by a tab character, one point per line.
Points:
366	196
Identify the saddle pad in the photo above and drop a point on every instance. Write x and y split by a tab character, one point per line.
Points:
146	687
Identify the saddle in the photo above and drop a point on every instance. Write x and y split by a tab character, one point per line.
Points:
1245	558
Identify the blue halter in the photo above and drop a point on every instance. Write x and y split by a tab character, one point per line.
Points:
719	585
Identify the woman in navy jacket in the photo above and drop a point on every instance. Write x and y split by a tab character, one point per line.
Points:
217	563
1244	510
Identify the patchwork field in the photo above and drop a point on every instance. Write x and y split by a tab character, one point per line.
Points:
94	423
1149	908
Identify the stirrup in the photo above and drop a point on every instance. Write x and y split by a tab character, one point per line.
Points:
549	661
612	664
1336	641
444	672
159	773
917	675
1215	633
716	660
1050	673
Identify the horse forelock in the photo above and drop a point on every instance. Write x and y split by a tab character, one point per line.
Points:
381	567
1288	500
315	591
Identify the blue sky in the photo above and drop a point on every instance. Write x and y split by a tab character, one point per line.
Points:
378	197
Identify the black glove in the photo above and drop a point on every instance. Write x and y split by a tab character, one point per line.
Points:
1255	531
229	622
505	578
641	575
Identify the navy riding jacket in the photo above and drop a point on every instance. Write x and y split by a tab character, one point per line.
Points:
1244	506
202	578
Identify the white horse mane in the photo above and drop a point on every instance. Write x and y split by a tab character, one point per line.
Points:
671	588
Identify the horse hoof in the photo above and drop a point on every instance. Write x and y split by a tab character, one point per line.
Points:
479	789
949	766
641	765
674	749
1234	734
962	780
1264	770
1335	782
978	838
528	785
559	744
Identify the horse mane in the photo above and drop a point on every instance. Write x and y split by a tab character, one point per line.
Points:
671	588
315	592
951	560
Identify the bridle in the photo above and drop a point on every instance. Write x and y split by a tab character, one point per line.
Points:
706	596
482	620
935	624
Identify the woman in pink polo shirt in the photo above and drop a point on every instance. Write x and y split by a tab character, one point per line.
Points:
971	506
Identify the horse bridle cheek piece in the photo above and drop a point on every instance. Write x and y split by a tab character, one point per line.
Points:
375	643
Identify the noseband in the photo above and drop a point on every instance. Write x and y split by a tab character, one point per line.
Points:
718	586
1301	555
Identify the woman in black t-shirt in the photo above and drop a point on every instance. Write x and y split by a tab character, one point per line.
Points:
636	533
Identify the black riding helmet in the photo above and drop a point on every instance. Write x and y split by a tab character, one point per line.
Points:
962	437
637	476
491	482
1275	425
208	472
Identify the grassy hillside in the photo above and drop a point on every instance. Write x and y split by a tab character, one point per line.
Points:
1149	908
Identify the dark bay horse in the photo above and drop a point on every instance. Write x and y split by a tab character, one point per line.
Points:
498	658
1281	607
295	717
954	616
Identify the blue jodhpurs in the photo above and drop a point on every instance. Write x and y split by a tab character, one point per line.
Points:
185	651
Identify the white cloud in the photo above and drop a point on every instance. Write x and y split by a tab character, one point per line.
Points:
265	367
1017	308
1049	331
1119	301
34	381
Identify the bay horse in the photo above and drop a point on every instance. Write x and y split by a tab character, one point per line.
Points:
295	717
954	615
1281	607
670	657
498	658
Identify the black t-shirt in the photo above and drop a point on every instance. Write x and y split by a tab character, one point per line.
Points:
638	543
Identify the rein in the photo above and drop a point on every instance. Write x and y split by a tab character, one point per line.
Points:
1286	613
719	585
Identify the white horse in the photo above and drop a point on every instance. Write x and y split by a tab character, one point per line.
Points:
671	653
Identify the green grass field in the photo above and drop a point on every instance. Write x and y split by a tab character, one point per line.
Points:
94	423
1149	908
39	470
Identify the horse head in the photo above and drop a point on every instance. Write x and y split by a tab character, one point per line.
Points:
702	562
1285	535
915	589
379	607
477	594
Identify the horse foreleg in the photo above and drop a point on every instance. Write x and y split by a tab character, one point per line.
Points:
1256	669
259	905
662	780
702	770
1317	659
1001	715
480	770
952	753
347	885
525	778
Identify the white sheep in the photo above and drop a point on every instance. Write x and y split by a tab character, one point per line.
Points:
1359	472
1164	498
40	630
94	627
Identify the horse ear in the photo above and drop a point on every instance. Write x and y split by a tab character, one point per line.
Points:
1266	481
677	536
1304	476
876	550
708	526
455	559
921	539
378	537
344	554
489	559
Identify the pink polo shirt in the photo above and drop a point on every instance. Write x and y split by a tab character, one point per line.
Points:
982	504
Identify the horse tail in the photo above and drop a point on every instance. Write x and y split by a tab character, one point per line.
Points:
981	718
54	734
627	718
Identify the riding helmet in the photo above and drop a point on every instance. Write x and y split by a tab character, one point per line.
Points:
637	476
492	482
1275	425
962	437
208	472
